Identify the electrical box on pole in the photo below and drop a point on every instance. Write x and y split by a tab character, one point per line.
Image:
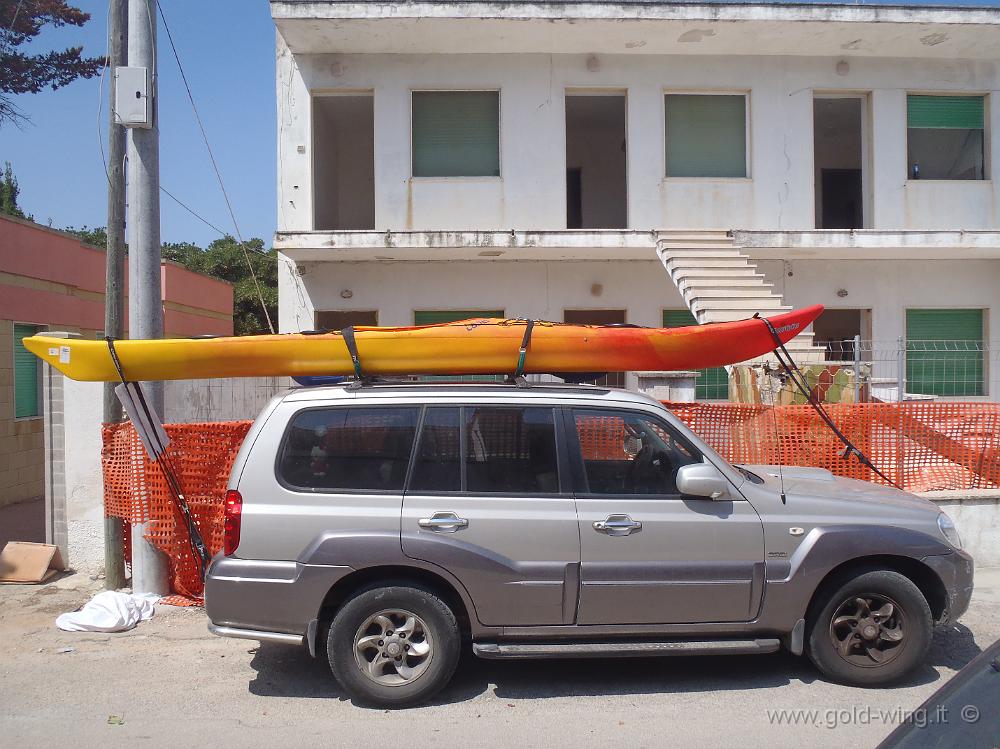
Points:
133	100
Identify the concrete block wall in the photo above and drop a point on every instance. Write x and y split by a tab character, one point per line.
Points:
21	458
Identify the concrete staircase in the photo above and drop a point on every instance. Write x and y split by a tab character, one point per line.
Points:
719	283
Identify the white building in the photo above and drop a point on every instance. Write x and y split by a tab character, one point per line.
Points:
628	161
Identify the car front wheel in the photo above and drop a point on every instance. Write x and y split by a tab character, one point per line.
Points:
872	629
393	646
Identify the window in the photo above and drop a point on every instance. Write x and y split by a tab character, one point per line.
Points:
340	319
706	135
713	384
348	449
510	450
630	453
944	352
456	133
438	464
27	375
437	317
945	137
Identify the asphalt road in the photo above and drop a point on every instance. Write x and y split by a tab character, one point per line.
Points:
169	682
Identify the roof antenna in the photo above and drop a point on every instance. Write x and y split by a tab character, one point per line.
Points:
772	379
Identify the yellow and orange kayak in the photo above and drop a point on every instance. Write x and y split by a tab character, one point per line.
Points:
478	346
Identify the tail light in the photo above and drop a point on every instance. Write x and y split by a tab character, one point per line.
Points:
233	516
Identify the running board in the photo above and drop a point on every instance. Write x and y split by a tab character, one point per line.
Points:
495	650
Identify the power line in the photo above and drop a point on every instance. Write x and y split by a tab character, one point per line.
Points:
215	166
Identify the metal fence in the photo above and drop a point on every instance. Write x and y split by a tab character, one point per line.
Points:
905	369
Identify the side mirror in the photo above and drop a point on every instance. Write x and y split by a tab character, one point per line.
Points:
702	480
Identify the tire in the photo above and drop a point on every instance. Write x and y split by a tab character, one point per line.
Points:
872	629
393	646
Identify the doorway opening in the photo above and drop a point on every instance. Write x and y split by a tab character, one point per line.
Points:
839	141
836	329
596	151
344	161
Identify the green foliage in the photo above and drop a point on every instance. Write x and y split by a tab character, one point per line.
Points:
98	236
24	72
9	191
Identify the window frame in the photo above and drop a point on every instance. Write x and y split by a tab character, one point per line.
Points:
987	137
578	464
39	381
339	491
459	178
748	133
563	469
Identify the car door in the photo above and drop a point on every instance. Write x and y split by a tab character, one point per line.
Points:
484	500
648	554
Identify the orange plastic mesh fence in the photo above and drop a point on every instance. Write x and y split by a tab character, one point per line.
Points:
135	489
921	446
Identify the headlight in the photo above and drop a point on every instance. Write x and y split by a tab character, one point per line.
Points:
949	531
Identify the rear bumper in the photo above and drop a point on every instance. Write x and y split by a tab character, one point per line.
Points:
266	597
957	572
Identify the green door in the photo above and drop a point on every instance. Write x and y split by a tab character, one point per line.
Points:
26	375
944	351
438	316
713	385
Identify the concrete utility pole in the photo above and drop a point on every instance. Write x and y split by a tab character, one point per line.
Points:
145	308
114	287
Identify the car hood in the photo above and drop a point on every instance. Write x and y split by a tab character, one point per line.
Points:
822	484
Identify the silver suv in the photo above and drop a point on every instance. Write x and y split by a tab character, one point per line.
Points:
386	525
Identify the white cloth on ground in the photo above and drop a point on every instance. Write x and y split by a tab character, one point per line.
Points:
109	611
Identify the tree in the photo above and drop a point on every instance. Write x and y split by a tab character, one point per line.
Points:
225	259
9	191
23	72
98	236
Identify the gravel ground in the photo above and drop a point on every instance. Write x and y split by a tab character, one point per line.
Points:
169	682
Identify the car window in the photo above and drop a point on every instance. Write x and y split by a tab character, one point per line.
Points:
510	450
348	448
630	453
438	462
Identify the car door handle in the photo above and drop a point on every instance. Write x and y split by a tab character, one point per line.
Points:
617	525
443	522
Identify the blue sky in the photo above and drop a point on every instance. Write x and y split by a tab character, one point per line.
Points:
227	47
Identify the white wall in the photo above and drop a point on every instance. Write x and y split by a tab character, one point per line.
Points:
531	191
540	290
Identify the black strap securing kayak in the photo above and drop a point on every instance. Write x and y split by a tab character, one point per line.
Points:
167	468
352	349
525	342
802	385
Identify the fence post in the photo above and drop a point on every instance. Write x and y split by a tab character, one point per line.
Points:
900	370
857	368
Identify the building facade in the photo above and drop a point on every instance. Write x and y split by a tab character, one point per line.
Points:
648	163
50	280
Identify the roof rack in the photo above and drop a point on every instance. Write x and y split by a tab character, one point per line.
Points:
407	382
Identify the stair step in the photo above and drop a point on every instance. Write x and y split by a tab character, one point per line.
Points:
772	305
700	293
706	262
623	649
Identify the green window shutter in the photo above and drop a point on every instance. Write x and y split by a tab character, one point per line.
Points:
944	352
456	133
436	317
26	400
713	383
706	135
951	112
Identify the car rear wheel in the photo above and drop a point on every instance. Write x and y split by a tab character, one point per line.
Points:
872	629
393	646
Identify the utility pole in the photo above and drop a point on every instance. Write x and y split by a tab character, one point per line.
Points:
114	286
145	307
